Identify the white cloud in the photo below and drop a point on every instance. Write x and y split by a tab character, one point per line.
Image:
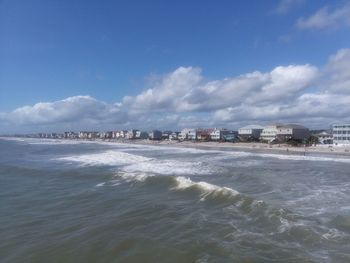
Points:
326	18
284	6
167	92
337	72
81	109
185	91
295	93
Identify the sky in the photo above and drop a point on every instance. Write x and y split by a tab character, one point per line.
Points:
103	65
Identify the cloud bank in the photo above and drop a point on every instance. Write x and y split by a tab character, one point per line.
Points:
314	96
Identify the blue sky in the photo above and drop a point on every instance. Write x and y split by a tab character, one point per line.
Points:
107	50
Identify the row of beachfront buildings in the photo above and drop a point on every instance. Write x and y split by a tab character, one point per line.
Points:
339	134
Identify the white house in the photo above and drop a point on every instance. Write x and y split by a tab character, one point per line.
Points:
131	134
282	132
341	134
183	135
324	137
250	132
218	134
269	133
192	134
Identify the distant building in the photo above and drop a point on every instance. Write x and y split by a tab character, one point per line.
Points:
183	135
292	132
174	136
283	133
192	134
88	135
230	137
141	135
155	135
218	134
269	133
166	135
108	135
324	137
341	134
204	135
93	135
121	134
70	135
250	132
131	134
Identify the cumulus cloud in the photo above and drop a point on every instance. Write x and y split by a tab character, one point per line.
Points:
185	91
167	93
326	18
78	109
185	98
337	72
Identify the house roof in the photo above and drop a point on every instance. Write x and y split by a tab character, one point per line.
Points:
295	126
253	126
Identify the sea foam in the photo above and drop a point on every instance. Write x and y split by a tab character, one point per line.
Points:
183	183
111	158
169	167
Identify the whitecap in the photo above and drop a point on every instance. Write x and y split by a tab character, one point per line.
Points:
169	167
183	183
105	158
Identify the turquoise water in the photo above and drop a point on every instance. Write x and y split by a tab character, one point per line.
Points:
64	201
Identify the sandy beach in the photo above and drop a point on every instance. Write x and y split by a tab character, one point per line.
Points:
263	147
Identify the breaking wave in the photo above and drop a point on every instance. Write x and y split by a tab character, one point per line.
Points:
137	163
105	158
181	183
169	167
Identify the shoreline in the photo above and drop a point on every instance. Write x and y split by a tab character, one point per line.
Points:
256	147
343	151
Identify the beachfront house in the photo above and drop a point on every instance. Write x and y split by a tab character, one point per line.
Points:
131	134
183	135
122	134
174	136
204	135
218	134
250	132
108	135
71	135
141	135
230	137
324	137
192	134
341	134
292	132
88	135
284	132
155	135
166	135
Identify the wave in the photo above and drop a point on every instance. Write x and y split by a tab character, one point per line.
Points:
169	167
137	163
181	183
110	158
206	189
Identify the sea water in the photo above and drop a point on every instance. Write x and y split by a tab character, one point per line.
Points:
70	201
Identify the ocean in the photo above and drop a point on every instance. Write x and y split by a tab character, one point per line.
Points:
69	201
